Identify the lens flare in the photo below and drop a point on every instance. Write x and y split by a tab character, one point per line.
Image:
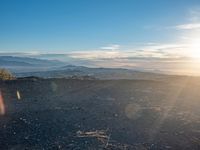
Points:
18	95
2	106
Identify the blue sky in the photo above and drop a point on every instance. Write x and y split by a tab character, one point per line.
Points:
88	29
67	25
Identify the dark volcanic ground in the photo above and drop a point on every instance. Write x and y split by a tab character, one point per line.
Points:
96	114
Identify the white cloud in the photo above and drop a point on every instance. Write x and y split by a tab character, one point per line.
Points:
194	15
193	19
149	51
111	47
96	54
189	26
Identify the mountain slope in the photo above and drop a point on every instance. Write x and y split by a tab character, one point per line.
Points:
100	73
26	64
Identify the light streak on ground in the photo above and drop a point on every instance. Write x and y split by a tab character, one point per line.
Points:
2	106
18	95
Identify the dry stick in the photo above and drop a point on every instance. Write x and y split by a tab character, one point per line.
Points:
107	143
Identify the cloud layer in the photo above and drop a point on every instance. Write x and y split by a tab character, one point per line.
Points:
189	26
168	58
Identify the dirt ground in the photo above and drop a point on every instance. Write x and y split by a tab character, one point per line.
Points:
100	114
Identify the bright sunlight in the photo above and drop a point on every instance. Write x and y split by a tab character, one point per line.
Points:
195	48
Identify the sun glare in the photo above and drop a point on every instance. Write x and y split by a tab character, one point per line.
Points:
195	48
192	42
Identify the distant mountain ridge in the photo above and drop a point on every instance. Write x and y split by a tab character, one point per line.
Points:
97	73
28	60
25	67
28	64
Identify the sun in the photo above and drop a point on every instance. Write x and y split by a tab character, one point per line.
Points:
194	48
191	43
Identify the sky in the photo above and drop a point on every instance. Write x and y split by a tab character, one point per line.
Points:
135	34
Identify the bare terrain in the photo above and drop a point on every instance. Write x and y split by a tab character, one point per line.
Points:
100	114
